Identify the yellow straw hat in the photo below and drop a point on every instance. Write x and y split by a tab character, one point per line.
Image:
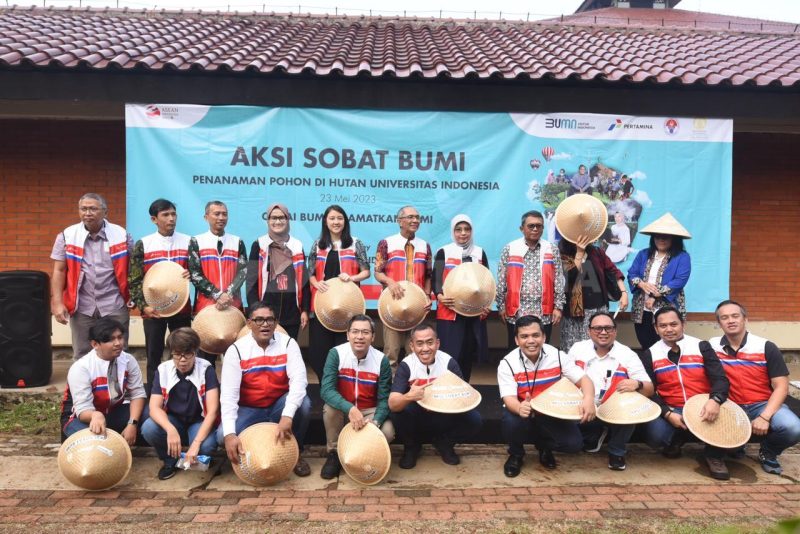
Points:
450	394
562	400
472	286
628	408
731	429
667	224
165	289
264	462
579	215
405	313
338	304
95	462
364	454
217	328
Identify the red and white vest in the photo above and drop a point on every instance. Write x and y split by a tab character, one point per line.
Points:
515	267
162	248
358	379
534	378
98	375
452	258
348	263
747	371
264	376
168	378
74	240
396	259
219	269
298	263
678	383
426	373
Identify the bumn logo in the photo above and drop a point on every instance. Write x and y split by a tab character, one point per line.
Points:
570	124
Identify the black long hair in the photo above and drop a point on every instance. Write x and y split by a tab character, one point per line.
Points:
325	235
674	250
567	248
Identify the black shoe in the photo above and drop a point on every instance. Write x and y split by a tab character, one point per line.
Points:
547	459
616	463
409	458
332	467
717	468
167	471
513	465
673	450
446	451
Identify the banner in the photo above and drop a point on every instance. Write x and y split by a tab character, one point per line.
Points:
490	166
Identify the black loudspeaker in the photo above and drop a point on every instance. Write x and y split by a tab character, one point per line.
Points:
26	351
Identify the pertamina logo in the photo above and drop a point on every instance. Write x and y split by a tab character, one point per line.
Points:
616	124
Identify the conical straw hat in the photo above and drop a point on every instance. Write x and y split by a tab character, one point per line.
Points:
562	400
628	408
405	313
165	289
579	215
338	304
667	225
364	453
246	330
450	394
472	286
217	328
264	462
731	429
95	462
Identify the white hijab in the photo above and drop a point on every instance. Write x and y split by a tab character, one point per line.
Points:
469	245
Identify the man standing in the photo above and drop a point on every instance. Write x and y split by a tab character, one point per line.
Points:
217	265
90	273
680	367
530	280
355	384
403	256
523	374
759	383
611	366
579	183
414	423
163	245
264	381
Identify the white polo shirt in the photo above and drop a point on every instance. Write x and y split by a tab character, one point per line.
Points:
620	361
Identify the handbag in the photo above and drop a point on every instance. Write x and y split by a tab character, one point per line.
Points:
612	289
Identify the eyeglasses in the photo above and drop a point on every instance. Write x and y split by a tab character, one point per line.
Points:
598	329
361	332
277	219
89	209
269	321
178	356
534	226
412	217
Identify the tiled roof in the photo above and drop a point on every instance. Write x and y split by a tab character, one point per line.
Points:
612	45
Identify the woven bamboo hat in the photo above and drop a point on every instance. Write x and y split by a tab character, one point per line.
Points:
450	394
731	429
472	286
364	453
165	289
338	304
217	328
579	215
93	462
405	313
628	408
264	462
246	330
667	224
562	400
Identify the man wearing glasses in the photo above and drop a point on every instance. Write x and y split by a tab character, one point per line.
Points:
184	404
402	256
530	280
90	273
611	366
355	383
264	381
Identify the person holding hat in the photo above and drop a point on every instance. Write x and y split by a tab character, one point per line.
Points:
680	367
217	265
335	254
355	384
530	280
526	372
165	244
759	383
415	424
264	381
104	387
658	275
611	366
463	337
277	274
403	256
184	404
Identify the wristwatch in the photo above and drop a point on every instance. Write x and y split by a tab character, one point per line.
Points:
716	398
133	422
639	385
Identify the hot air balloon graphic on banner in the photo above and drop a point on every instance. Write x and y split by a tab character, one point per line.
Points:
547	153
535	164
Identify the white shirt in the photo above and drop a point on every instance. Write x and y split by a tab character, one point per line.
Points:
543	371
600	369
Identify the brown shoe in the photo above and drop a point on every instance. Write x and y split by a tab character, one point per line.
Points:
718	469
302	469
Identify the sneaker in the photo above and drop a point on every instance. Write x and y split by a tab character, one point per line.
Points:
332	467
595	447
167	471
513	465
448	454
769	463
616	463
409	458
547	459
301	468
717	468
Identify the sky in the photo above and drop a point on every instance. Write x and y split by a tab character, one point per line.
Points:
783	10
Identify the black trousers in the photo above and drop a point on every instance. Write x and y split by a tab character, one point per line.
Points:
464	339
321	341
646	332
416	425
154	331
512	343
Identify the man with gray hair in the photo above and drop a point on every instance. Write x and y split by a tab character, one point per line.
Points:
90	273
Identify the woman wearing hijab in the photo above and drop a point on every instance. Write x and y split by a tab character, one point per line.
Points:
461	337
618	248
276	274
336	254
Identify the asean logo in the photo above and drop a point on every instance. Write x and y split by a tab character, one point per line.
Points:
671	126
152	111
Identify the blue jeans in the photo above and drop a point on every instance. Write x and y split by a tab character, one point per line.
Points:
415	425
157	437
618	435
116	419
248	416
784	427
543	431
660	433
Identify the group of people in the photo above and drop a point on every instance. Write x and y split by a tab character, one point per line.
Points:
263	376
615	186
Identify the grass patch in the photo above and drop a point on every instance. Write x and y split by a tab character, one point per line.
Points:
29	416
